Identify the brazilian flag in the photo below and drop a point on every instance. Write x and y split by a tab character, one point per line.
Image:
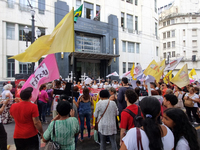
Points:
78	13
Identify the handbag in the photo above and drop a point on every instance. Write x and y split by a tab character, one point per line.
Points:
97	122
180	103
53	145
139	141
188	103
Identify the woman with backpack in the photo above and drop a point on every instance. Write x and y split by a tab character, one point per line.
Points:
152	136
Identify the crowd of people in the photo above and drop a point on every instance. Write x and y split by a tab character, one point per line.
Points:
165	120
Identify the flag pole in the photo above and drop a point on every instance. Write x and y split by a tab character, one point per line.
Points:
73	65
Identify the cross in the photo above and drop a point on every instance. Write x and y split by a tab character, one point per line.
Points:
67	79
71	76
83	77
99	79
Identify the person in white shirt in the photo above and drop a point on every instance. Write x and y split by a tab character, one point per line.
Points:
95	86
115	85
153	135
185	135
100	85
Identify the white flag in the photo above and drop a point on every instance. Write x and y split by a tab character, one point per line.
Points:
112	74
127	74
172	65
138	71
88	81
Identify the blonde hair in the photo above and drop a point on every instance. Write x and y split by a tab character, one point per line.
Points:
7	87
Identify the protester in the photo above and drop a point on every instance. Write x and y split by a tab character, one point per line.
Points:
164	89
115	85
42	103
153	135
84	107
100	85
6	94
79	85
95	86
127	121
179	94
121	99
66	128
27	122
50	98
106	86
191	96
76	89
107	124
3	134
17	95
113	96
185	134
169	91
170	100
142	91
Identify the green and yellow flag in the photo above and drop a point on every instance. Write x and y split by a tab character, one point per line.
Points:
78	13
153	70
168	77
60	40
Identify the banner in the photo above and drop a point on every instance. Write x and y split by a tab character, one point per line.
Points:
46	72
181	79
172	65
112	74
138	71
168	77
192	73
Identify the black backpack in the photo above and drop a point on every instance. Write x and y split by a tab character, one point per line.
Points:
137	119
143	92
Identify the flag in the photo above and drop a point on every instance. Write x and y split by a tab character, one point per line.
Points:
127	74
47	71
153	70
172	65
181	79
161	69
168	77
60	40
78	13
138	71
132	72
192	73
88	80
112	74
97	16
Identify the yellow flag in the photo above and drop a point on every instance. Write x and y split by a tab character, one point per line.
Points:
168	77
60	40
192	73
132	72
153	70
161	69
181	79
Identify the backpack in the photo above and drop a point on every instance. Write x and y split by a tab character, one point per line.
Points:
137	119
143	92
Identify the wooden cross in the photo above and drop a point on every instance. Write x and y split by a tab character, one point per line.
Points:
99	79
67	79
71	74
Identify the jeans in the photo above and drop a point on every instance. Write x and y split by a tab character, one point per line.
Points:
194	112
82	117
3	138
42	110
49	103
112	140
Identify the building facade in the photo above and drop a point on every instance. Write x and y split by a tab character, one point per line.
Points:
179	30
124	33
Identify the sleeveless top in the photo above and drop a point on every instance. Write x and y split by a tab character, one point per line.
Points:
84	107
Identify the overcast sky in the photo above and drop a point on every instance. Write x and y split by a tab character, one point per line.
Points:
163	2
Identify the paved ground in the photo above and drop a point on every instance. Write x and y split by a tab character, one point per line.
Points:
87	144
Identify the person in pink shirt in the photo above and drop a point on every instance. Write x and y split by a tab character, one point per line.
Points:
42	103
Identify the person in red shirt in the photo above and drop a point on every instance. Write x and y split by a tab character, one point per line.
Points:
27	123
126	119
164	89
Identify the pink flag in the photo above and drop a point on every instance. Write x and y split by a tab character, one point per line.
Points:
47	71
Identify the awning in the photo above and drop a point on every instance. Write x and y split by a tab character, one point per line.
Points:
98	56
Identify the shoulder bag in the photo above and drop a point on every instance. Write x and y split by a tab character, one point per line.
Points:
97	122
139	140
53	145
189	103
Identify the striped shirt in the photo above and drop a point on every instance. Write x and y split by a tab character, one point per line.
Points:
65	131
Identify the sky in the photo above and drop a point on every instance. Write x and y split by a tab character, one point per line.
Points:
163	2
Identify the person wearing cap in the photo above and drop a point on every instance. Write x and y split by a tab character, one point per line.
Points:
27	122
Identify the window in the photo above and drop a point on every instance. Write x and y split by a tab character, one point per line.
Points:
172	21
164	45
131	47
164	55
169	54
130	65
78	3
164	24
41	6
124	67
183	19
194	32
97	12
173	33
157	51
11	3
137	48
130	23
136	23
24	5
156	30
194	19
173	44
173	54
122	19
183	32
168	22
168	34
129	1
22	36
194	43
136	2
25	68
123	46
168	44
88	43
155	4
10	67
42	30
88	10
184	43
164	35
10	31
